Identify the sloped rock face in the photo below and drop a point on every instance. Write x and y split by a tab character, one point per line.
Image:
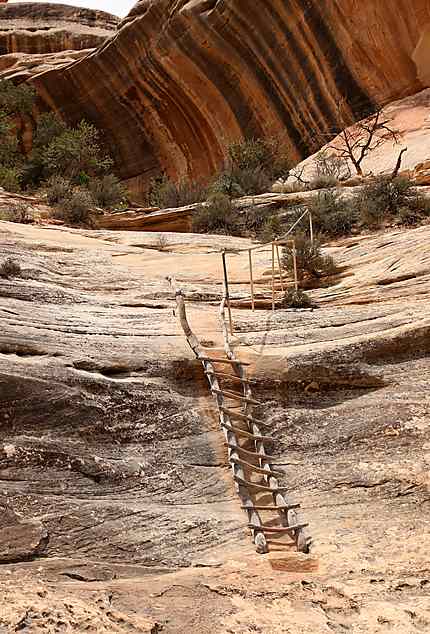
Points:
182	80
37	28
116	503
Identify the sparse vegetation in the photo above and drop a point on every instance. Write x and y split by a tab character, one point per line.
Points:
332	215
311	262
69	162
165	193
162	242
77	208
17	212
384	197
297	299
217	216
10	268
107	191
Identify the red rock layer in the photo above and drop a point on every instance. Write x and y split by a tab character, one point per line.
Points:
30	27
182	79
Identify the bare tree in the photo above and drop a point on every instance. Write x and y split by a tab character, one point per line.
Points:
354	142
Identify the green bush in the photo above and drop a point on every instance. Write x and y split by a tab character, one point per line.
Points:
76	209
10	268
226	183
384	197
76	153
331	214
165	193
10	178
57	189
49	126
107	190
9	147
16	99
268	155
296	299
272	228
218	216
309	259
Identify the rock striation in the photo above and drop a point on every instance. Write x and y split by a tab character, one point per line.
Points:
117	511
181	80
38	28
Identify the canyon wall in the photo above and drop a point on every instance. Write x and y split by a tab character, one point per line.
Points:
39	28
182	79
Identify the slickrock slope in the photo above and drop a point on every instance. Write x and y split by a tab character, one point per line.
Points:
181	80
410	117
118	509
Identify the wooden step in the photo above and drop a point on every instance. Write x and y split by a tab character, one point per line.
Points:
223	360
257	469
272	507
243	432
278	529
246	418
254	454
225	375
259	487
237	397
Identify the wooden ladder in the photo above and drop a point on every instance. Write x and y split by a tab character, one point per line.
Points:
254	473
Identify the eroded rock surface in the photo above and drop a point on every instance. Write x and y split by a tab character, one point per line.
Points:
109	441
181	81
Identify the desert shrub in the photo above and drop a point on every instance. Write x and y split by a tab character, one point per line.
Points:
165	193
296	299
76	153
10	268
16	99
162	242
324	181
225	183
10	178
17	212
268	155
9	148
385	196
252	181
218	216
76	209
331	214
107	190
57	189
49	126
271	229
311	262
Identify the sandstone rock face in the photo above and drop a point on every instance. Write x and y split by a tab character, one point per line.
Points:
109	443
410	117
180	81
39	27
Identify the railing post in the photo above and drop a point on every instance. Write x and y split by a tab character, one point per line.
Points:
280	268
226	292
251	277
273	277
296	281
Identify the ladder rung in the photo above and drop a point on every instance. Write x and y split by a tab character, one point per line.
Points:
257	468
225	375
243	432
238	397
278	529
251	453
272	507
223	360
248	419
260	487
